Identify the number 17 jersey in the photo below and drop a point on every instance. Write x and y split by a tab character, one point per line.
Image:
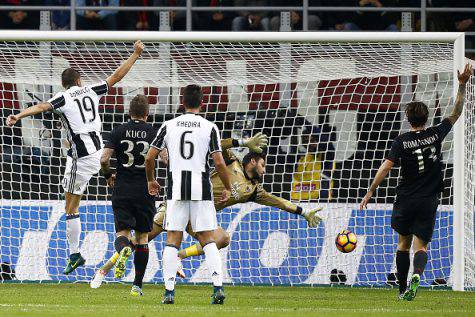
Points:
419	155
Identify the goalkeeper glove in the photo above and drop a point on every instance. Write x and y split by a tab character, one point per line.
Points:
311	216
256	143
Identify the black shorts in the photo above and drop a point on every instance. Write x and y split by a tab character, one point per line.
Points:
415	216
133	213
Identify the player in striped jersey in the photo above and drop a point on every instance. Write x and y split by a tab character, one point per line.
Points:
246	178
78	107
189	140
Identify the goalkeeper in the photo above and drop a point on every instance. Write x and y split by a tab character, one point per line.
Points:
246	181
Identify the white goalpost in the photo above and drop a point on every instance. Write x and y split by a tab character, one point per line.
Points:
331	103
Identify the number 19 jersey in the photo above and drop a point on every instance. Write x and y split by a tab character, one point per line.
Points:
79	111
419	155
189	139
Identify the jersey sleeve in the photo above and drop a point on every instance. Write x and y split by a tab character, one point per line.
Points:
264	198
113	141
215	141
101	88
443	128
57	101
395	152
159	141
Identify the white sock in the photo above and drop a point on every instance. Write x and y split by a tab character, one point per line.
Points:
213	260
170	266
73	232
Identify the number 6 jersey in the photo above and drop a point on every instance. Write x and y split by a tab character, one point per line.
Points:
79	111
419	155
189	139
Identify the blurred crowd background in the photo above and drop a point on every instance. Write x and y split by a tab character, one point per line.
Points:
266	20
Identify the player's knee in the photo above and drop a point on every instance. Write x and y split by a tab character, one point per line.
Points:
223	239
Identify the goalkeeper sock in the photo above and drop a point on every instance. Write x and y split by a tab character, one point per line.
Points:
73	232
420	261
170	266
213	260
140	263
402	265
121	242
193	250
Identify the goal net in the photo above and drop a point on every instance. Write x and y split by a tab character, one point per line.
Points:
330	109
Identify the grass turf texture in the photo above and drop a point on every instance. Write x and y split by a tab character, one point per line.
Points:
114	300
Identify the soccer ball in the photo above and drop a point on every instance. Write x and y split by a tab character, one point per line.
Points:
345	241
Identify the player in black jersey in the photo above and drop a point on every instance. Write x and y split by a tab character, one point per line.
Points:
418	152
133	207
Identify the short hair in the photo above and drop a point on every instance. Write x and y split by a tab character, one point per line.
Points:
252	155
417	113
139	106
69	77
192	96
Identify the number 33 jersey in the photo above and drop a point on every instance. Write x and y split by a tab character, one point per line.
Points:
130	142
79	111
189	139
419	155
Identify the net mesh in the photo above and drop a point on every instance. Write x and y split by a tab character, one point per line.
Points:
330	111
469	197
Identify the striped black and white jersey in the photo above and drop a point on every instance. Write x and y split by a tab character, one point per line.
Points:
79	111
190	139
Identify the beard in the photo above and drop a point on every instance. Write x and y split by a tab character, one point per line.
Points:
256	176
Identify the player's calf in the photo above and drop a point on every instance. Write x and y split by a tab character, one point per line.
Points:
122	246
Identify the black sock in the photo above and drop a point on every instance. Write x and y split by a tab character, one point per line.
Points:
402	265
121	242
140	263
420	261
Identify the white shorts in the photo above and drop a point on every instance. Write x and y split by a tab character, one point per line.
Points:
79	171
201	215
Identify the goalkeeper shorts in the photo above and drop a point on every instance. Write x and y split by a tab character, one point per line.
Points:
79	171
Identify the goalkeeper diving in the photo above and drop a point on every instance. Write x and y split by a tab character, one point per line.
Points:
246	180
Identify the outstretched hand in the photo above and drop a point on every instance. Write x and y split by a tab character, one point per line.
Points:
465	75
257	143
11	120
313	219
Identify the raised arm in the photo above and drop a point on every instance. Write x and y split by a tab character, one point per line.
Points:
30	111
123	69
458	105
380	175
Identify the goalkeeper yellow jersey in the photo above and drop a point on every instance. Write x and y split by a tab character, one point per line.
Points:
248	190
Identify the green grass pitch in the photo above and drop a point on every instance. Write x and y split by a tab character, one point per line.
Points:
114	300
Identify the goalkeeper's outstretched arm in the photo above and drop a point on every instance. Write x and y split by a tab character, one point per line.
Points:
123	69
380	175
267	199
